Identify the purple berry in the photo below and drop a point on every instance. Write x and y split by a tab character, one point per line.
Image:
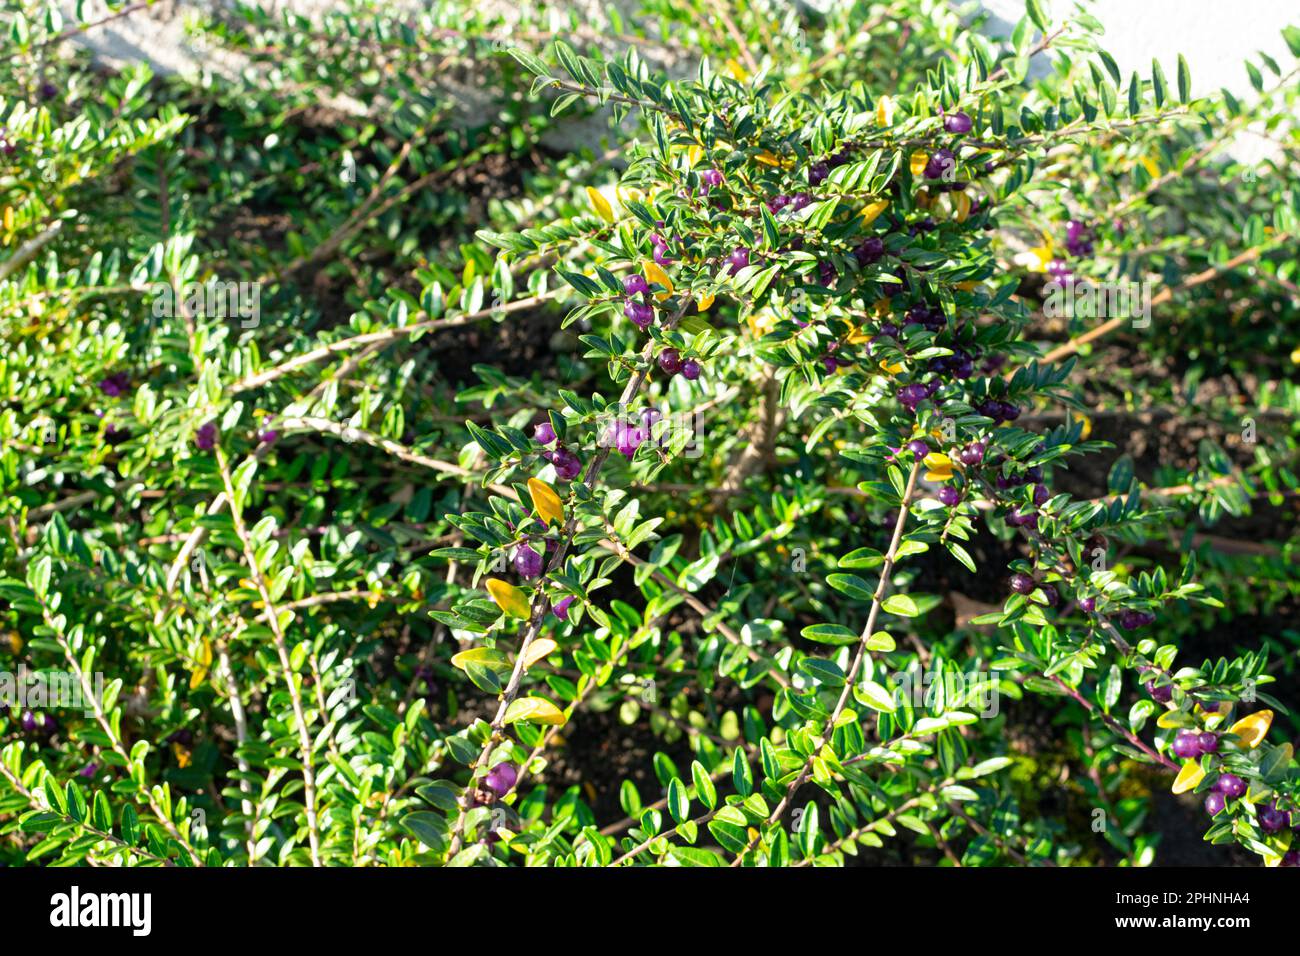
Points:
1230	785
1050	594
115	384
561	607
88	771
957	122
690	370
29	721
567	465
1088	604
1271	819
1214	803
1209	743
1187	745
1022	583
1161	694
1131	620
640	313
972	454
543	433
949	495
712	177
205	439
739	259
1041	494
635	285
869	251
940	163
918	448
527	562
817	173
501	779
670	360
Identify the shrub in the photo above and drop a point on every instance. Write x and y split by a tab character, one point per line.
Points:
748	417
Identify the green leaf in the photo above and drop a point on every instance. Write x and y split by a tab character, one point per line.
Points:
830	634
1184	80
704	788
900	605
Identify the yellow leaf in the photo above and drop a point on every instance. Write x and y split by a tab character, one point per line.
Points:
1150	166
961	203
694	154
892	369
1295	356
1253	729
476	655
1275	846
9	218
859	336
546	501
534	709
706	300
737	71
600	204
871	211
939	467
1087	426
885	112
203	662
182	756
771	159
1188	777
1173	718
654	273
508	597
917	162
537	650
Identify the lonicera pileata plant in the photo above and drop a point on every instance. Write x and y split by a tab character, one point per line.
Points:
345	613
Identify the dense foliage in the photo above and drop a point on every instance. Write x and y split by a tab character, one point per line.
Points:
392	482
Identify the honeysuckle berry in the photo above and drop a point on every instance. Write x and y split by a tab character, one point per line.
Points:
1215	802
800	201
1209	743
918	447
1291	858
501	779
1050	594
1022	583
88	771
29	721
1060	271
205	439
115	384
527	562
268	436
941	161
957	122
1078	239
690	370
1161	693
1088	604
1019	518
739	259
1271	819
48	90
777	203
869	251
670	360
567	465
1230	785
817	173
911	396
949	495
543	433
635	285
1187	744
712	177
561	607
826	275
640	313
1131	620
626	438
1041	494
972	454
889	330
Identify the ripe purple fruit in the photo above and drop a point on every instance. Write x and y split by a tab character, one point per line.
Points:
940	163
635	285
957	122
543	433
1131	620
1050	594
918	447
739	259
561	607
972	454
1022	583
1088	604
640	313
1162	694
949	495
205	439
869	251
567	465
690	370
1230	785
1214	803
670	360
115	384
1271	819
501	779
817	173
1209	743
712	177
1187	745
527	562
